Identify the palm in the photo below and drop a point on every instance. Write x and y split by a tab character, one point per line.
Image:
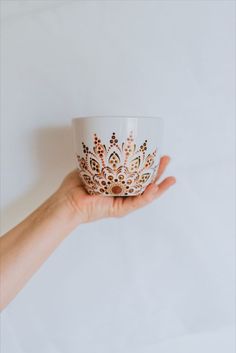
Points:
93	207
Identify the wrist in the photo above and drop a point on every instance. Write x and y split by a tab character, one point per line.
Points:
54	218
64	211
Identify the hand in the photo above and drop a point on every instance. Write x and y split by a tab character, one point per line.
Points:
25	247
89	208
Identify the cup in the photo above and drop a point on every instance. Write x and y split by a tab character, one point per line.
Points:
117	155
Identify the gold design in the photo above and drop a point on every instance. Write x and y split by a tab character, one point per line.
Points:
117	170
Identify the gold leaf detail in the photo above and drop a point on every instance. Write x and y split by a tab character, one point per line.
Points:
149	161
129	146
134	164
144	178
99	150
82	163
114	159
95	165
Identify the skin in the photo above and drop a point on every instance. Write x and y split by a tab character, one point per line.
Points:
27	246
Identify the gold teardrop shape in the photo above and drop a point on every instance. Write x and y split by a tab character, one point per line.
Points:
114	159
94	165
149	161
144	177
134	164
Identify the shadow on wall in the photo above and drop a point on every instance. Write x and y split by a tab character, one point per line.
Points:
53	157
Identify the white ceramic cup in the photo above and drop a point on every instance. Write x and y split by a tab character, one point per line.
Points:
117	156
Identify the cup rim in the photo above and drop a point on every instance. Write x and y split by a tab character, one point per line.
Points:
117	116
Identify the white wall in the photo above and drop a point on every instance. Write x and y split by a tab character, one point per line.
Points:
160	280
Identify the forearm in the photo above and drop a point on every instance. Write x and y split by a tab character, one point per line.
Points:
25	248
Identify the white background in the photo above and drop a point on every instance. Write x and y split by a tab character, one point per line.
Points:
162	279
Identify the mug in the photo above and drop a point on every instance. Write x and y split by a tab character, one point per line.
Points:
117	155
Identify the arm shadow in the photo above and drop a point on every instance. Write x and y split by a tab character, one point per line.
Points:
52	149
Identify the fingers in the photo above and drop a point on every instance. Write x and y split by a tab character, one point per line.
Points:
165	185
164	161
123	206
133	203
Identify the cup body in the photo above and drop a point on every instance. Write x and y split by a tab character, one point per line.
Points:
117	155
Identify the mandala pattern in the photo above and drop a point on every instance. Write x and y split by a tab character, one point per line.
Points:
117	169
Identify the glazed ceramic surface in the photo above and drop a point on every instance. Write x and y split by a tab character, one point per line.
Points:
117	156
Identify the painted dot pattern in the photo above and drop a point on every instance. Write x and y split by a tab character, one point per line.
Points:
116	169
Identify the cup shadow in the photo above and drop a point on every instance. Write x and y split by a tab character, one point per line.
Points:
53	155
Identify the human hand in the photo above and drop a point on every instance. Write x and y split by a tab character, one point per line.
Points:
88	208
45	228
